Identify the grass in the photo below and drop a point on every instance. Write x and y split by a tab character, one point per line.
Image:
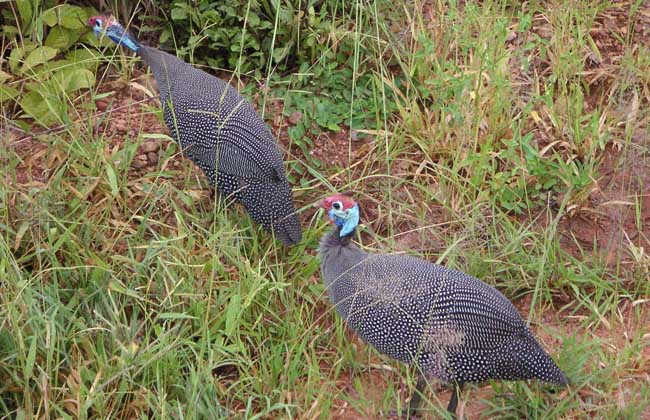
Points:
141	294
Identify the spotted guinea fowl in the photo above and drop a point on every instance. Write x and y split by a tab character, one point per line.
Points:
221	132
451	326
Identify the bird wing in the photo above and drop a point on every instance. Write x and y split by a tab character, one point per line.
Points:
430	298
213	123
235	158
224	140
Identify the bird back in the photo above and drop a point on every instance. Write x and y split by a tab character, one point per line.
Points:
451	325
220	131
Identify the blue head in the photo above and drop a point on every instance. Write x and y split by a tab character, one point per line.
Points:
343	212
112	29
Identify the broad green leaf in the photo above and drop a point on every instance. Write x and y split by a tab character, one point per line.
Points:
46	110
85	58
49	17
253	20
8	93
72	17
179	13
68	78
15	58
5	76
9	31
25	11
7	342
39	56
164	36
62	38
67	16
91	39
281	53
90	11
32	103
71	79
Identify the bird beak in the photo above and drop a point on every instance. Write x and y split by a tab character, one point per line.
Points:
323	205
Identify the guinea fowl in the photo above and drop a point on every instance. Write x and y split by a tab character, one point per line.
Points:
221	132
451	326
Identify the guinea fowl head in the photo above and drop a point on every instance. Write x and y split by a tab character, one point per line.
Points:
109	26
343	211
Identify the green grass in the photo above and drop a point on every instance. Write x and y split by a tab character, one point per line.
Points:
143	295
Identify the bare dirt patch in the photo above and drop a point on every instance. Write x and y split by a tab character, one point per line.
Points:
32	165
617	213
127	110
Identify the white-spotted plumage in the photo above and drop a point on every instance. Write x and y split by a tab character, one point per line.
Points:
451	325
221	132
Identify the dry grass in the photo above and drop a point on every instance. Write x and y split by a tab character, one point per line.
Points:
509	141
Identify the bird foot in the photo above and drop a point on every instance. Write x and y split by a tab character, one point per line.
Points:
406	415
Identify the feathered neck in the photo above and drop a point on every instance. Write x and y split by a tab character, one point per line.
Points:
332	239
120	36
338	255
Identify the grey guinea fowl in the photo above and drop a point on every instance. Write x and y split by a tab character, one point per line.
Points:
221	132
451	326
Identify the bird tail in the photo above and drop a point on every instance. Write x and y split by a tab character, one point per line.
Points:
288	230
271	205
539	365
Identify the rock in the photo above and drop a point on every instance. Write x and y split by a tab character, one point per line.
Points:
511	36
295	117
101	104
150	146
120	126
140	161
593	58
153	157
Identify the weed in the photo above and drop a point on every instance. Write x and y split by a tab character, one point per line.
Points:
486	127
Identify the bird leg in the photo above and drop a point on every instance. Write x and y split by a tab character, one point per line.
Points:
416	396
453	402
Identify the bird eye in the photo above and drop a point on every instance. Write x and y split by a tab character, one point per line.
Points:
98	23
337	205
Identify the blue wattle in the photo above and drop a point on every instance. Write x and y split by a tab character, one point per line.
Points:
351	221
346	220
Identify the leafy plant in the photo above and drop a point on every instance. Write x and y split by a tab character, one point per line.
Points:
44	69
326	103
253	35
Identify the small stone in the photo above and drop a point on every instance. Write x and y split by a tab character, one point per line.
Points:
150	146
153	157
593	58
101	104
120	126
295	117
511	36
140	161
